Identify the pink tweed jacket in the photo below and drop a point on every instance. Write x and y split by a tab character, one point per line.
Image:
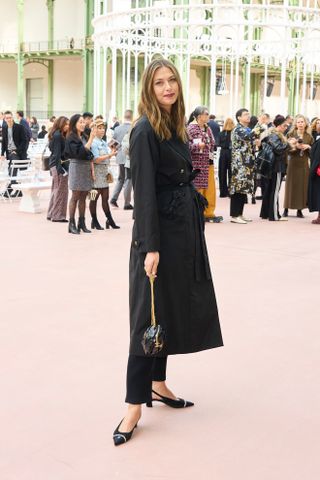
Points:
200	159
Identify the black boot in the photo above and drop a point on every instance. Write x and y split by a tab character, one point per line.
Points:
95	223
285	212
110	222
72	227
300	214
82	225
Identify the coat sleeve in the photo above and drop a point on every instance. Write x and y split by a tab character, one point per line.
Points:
212	140
23	143
315	157
4	144
277	145
55	159
144	157
76	149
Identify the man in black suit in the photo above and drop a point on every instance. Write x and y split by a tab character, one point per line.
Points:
22	121
14	141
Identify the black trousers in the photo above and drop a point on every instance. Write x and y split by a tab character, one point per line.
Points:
270	201
224	172
141	371
237	202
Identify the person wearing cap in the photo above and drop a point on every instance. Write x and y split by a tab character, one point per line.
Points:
102	154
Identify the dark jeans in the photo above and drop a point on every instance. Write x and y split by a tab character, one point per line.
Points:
141	372
237	202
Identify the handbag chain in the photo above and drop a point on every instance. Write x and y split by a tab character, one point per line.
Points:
153	316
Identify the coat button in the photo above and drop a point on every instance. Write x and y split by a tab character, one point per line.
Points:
182	170
136	243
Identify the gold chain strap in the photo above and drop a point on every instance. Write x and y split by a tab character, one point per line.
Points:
153	316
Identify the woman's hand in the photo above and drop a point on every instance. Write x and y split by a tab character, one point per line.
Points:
93	133
151	263
305	146
201	145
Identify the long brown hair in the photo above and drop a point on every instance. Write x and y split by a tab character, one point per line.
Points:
58	125
228	124
162	122
314	124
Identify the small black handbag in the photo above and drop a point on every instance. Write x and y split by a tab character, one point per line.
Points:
153	338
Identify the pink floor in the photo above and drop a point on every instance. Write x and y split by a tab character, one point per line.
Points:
63	351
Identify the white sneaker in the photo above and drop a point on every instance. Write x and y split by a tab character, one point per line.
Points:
246	219
283	219
238	220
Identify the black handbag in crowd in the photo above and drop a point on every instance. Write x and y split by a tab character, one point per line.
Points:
265	160
153	338
45	160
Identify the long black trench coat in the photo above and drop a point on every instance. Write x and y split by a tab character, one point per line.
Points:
169	218
314	179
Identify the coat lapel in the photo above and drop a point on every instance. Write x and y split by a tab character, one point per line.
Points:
181	149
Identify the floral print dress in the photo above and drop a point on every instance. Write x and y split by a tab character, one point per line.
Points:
243	159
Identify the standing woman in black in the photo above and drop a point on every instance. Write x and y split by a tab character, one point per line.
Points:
167	242
280	145
57	210
225	157
81	174
314	182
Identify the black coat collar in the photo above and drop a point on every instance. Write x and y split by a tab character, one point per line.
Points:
182	149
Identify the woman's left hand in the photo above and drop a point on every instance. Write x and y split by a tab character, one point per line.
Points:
305	146
151	263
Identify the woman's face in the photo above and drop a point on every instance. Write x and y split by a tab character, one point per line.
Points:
318	125
65	128
100	131
80	125
301	124
166	88
203	118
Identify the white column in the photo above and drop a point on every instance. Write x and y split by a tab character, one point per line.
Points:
265	84
128	103
114	81
236	81
231	87
311	81
304	87
283	85
123	99
104	83
96	98
213	83
135	82
247	86
187	92
297	87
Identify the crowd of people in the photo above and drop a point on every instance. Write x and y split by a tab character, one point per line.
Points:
257	152
80	162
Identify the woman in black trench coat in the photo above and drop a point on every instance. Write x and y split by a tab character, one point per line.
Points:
167	242
314	182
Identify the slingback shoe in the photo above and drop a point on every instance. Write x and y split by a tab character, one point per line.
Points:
122	437
179	403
